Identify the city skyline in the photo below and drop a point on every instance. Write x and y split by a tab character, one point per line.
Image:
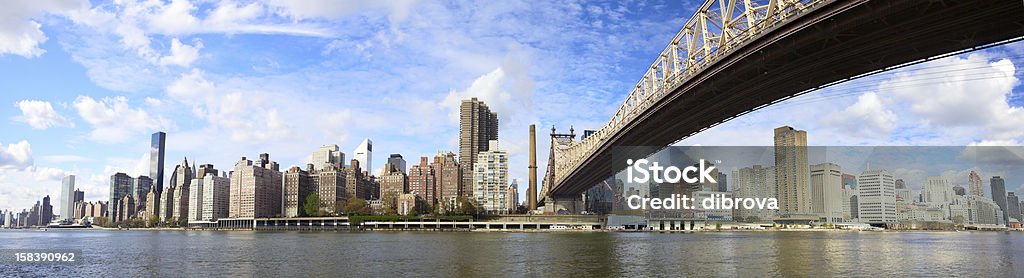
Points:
117	91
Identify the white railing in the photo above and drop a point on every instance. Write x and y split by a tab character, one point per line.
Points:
717	28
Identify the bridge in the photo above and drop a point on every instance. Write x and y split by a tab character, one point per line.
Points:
736	56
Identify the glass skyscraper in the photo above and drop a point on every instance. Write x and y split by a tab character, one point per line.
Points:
156	160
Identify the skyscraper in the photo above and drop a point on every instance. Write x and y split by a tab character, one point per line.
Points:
490	179
330	183
364	154
999	195
423	181
754	182
938	191
156	160
791	170
255	191
297	186
1012	206
45	212
876	196
326	156
67	198
215	197
477	127
140	191
974	184
181	180
120	186
826	191
448	178
396	163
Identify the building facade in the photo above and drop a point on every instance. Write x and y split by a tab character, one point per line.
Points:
827	192
477	127
876	196
490	179
792	171
255	189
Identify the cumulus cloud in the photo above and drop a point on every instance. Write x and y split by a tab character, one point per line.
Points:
867	117
114	120
247	115
40	115
966	94
182	54
20	30
16	156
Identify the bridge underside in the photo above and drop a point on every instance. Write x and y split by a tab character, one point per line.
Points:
839	40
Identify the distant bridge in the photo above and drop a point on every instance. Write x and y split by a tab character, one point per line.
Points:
733	57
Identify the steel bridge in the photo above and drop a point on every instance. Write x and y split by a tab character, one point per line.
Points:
736	56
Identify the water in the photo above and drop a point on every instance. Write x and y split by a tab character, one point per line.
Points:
442	254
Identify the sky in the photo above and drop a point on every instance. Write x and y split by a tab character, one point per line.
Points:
84	83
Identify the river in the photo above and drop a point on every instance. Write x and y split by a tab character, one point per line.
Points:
552	254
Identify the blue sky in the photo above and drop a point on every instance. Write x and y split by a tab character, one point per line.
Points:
83	84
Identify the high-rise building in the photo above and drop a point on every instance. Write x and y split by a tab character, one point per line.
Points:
396	163
45	212
974	184
140	190
67	198
356	184
181	180
1012	206
195	200
167	204
449	179
513	195
120	186
153	206
125	208
999	195
849	197
754	182
723	181
938	191
156	160
826	191
206	169
876	196
216	191
393	183
330	183
364	154
423	181
490	179
477	127
297	186
974	209
255	189
792	170
327	156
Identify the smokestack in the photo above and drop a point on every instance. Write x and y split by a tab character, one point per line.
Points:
531	192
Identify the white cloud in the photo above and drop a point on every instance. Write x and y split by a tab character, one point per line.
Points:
865	118
40	115
114	120
16	156
963	97
20	31
182	54
300	9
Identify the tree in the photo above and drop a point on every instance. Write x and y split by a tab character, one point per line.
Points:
356	206
153	220
312	205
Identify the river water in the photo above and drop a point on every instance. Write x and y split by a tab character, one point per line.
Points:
555	254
